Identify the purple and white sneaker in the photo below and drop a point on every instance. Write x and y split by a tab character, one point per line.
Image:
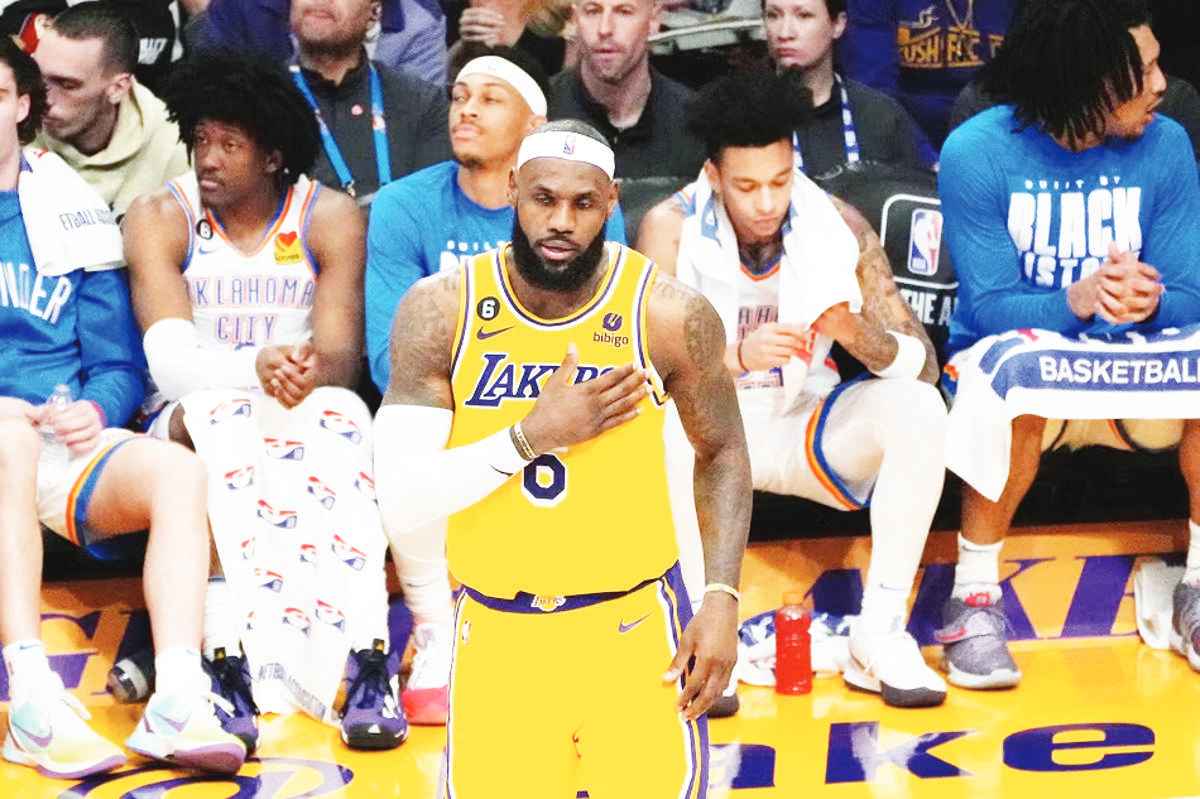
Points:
183	729
372	717
231	681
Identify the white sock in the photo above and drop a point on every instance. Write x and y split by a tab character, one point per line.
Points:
178	670
883	609
420	558
978	569
27	667
1192	575
221	628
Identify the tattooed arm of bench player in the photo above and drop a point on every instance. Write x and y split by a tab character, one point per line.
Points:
687	344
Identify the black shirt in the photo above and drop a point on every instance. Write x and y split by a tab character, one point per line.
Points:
657	145
416	114
885	131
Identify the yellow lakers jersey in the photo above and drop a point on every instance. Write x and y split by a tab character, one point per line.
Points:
590	519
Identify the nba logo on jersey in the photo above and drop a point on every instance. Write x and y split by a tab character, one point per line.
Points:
287	248
341	424
569	145
924	241
239	478
283	519
308	553
272	581
248	548
297	620
229	410
284	450
328	614
366	485
323	493
250	619
352	556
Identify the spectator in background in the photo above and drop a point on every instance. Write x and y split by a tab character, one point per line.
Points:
614	88
923	52
112	130
433	219
379	124
1177	25
523	24
404	38
156	22
849	122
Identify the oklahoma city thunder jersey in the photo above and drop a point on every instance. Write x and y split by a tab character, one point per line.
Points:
594	518
250	299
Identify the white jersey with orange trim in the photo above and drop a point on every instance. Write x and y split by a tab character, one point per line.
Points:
761	392
257	298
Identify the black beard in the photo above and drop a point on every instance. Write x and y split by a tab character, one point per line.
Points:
566	278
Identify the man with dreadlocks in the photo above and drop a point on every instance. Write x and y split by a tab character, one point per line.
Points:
1072	208
251	354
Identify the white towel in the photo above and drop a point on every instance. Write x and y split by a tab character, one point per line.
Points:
293	513
68	224
1046	374
820	255
1153	600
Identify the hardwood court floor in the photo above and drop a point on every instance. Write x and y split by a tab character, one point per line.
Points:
1098	714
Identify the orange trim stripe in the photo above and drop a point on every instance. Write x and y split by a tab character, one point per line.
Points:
810	451
80	482
765	275
308	199
270	234
1120	436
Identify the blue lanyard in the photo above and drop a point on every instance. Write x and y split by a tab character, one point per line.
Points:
853	153
378	127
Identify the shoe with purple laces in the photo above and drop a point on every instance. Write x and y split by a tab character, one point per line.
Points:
372	717
231	681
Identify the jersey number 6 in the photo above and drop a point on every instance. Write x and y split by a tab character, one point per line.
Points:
544	481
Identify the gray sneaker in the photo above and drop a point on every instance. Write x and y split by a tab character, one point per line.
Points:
1185	623
975	644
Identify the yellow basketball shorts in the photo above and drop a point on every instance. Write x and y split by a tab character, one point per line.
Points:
554	695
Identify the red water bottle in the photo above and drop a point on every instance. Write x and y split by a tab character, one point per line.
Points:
793	646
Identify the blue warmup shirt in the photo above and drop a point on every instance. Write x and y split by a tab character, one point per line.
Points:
1025	218
420	225
76	329
922	52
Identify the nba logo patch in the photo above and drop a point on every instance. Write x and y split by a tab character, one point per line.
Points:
272	581
341	424
308	553
287	248
924	241
323	493
328	614
569	145
366	485
248	548
282	450
297	620
230	410
283	519
353	557
239	478
250	619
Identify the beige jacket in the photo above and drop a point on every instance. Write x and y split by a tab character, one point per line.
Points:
143	154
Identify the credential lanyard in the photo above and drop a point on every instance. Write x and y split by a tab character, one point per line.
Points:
378	128
853	153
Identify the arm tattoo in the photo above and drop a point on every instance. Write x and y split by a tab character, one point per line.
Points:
421	343
703	391
883	307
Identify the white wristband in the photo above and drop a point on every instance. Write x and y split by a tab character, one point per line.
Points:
909	360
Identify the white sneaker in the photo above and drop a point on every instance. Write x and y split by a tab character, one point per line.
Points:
183	729
426	695
891	664
50	733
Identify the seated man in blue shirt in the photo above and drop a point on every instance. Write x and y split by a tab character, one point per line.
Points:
68	331
1073	208
432	219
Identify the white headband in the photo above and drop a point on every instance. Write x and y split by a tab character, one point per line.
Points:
510	73
569	147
